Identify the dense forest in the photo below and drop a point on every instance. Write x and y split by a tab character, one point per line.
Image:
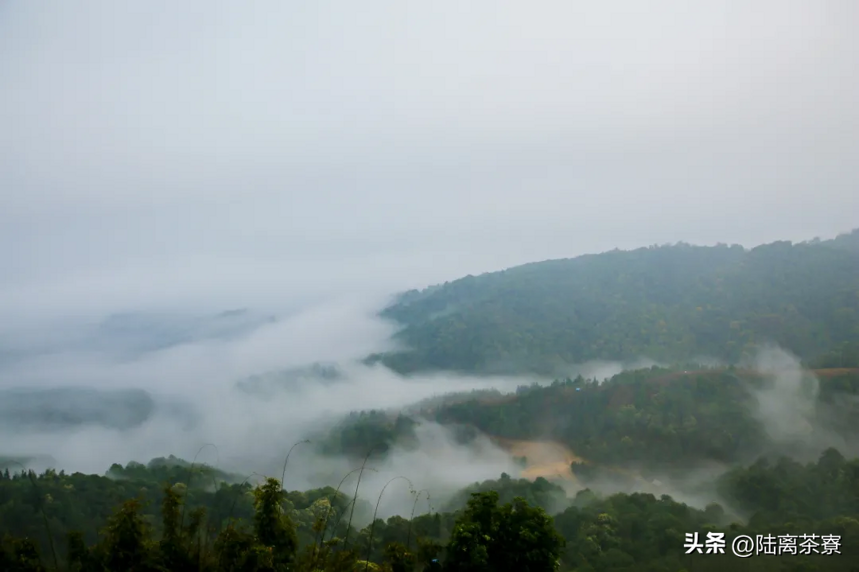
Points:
168	516
654	418
667	303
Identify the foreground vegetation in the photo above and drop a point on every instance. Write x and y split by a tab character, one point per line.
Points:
69	522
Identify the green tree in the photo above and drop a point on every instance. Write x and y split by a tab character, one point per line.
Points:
398	557
80	557
512	537
174	554
273	529
128	544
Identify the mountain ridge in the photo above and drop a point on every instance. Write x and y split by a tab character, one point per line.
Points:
669	303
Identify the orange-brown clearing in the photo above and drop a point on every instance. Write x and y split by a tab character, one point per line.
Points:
547	459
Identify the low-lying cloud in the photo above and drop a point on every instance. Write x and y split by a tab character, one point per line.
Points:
82	402
786	405
133	387
797	422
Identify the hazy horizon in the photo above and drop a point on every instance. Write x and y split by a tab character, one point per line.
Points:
214	155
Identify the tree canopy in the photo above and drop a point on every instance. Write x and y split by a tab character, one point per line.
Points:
667	303
630	532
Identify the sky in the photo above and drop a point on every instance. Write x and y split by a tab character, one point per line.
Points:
277	153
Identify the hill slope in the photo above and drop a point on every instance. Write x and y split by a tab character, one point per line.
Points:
654	419
669	303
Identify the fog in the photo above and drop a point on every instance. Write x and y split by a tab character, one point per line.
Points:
307	160
221	155
193	398
787	405
240	398
220	379
784	403
230	402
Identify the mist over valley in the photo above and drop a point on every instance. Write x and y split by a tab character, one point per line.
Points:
422	287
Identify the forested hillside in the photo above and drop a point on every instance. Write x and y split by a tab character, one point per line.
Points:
763	447
655	419
667	303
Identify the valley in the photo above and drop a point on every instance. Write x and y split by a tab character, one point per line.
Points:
615	456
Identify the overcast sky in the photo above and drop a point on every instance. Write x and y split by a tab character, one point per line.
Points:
230	153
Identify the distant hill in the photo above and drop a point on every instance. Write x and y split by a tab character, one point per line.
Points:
128	335
61	409
135	333
651	418
292	379
668	303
